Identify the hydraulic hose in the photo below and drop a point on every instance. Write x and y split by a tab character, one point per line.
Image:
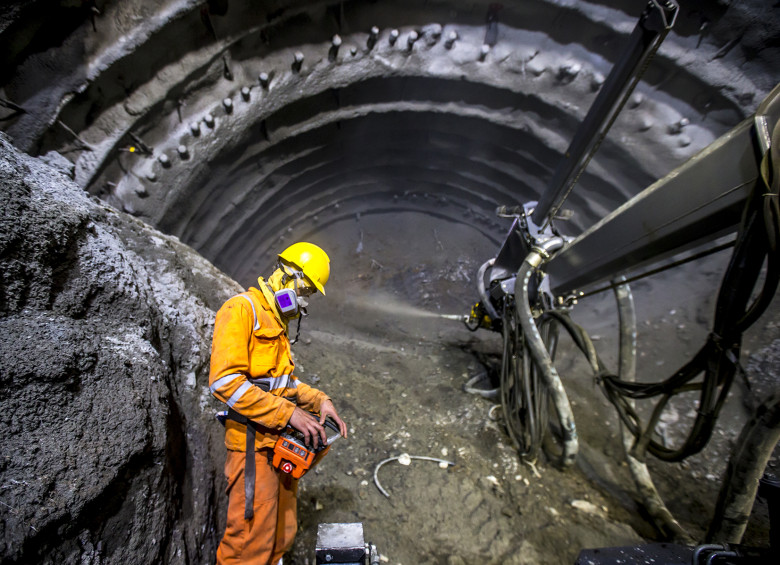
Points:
523	393
718	358
483	292
651	500
746	466
538	350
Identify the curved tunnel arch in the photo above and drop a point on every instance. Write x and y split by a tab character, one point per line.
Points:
494	124
383	150
398	159
479	130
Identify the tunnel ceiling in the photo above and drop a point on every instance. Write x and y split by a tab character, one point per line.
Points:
234	124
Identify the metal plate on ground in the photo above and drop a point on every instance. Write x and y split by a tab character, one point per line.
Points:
652	554
340	543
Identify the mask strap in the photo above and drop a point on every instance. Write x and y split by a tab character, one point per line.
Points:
297	331
292	275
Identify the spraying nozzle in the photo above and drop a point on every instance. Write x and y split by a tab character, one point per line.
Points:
476	319
457	317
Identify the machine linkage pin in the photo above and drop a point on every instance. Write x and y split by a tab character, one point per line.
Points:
410	41
431	34
452	37
226	72
677	127
372	37
297	61
264	80
335	44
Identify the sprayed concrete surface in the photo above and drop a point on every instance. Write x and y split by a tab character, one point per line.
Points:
397	372
240	127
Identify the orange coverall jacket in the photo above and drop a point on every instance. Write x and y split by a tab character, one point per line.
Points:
250	352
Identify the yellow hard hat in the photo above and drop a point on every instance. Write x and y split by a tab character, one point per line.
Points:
311	260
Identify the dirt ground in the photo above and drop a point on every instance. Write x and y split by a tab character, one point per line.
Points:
396	372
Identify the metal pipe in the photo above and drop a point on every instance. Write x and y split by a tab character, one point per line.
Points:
719	555
411	39
335	44
372	37
701	549
452	37
297	61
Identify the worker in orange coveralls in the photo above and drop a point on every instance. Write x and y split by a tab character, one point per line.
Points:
252	372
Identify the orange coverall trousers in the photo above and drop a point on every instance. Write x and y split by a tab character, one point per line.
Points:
265	538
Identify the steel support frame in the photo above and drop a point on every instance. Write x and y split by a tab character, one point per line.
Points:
653	25
698	202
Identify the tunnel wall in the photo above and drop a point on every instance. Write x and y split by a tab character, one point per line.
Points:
110	450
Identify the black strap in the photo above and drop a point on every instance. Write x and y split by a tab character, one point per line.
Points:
249	465
249	473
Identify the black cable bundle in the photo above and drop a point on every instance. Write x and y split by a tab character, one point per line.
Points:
718	359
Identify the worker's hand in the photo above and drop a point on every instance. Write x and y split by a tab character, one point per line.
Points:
308	425
327	409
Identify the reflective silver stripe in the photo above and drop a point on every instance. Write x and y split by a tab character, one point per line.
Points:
274	383
293	383
238	394
262	381
279	382
222	381
254	312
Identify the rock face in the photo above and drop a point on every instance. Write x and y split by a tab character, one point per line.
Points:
110	453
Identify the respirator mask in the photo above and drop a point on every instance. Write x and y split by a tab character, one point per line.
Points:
292	302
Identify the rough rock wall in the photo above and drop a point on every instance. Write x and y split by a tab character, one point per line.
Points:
110	453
